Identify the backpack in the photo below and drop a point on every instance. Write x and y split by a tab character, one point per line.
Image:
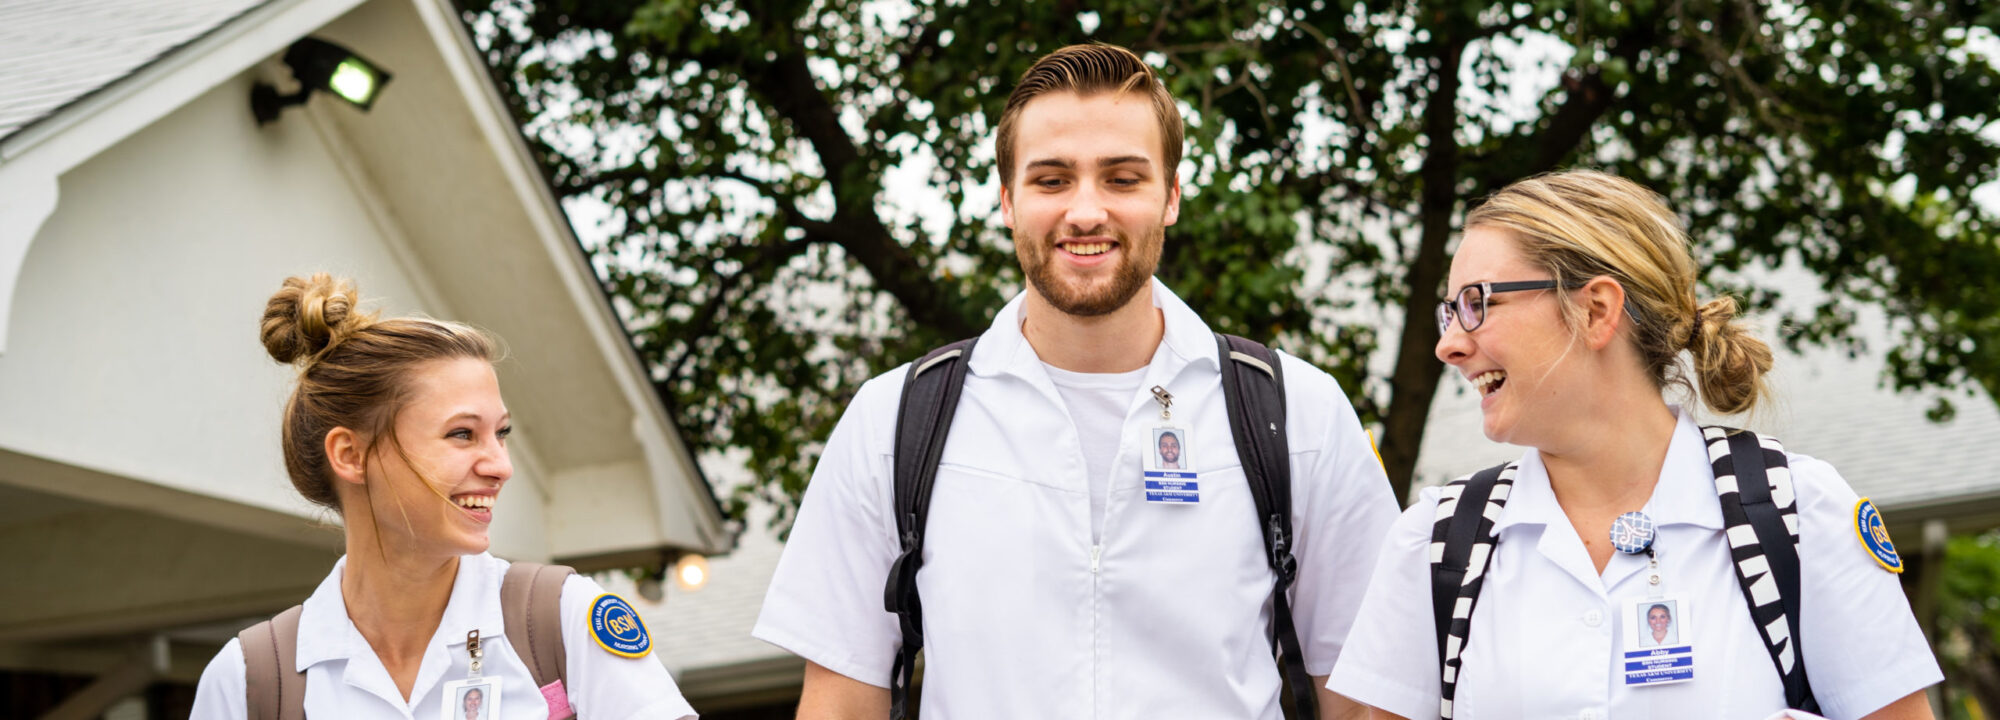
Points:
1255	401
530	603
1759	516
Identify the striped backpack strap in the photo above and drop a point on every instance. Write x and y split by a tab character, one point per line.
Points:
1760	515
1461	547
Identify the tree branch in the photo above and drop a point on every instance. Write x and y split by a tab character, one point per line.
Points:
787	84
1362	116
1587	98
759	267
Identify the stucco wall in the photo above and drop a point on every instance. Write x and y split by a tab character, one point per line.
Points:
134	347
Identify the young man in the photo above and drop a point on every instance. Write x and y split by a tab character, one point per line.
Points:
1051	587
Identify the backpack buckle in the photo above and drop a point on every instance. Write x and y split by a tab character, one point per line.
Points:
1281	558
900	596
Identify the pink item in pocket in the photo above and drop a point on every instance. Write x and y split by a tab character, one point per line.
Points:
558	700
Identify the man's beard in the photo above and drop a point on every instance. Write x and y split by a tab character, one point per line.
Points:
1135	268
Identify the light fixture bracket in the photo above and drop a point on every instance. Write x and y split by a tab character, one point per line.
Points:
320	65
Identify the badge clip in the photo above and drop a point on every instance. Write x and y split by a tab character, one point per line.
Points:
472	649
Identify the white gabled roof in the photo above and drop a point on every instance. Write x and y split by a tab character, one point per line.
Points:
78	77
58	52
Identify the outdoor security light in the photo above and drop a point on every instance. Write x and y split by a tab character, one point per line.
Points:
321	65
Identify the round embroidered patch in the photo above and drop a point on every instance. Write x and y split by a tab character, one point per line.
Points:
1868	527
617	627
1632	533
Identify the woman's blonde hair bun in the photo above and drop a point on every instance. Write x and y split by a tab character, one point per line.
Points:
1729	362
308	315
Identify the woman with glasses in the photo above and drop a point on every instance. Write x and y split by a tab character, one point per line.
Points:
1572	299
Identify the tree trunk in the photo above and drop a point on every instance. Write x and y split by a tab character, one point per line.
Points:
1415	381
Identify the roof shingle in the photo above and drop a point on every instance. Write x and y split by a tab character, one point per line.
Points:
55	53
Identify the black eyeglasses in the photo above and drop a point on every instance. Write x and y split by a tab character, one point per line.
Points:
1470	306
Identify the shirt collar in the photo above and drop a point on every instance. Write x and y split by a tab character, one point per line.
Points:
327	633
1684	495
1003	349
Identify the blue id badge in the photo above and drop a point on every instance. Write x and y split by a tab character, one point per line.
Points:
1170	475
1659	641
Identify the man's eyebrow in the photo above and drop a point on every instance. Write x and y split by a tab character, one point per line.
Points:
1124	160
1103	162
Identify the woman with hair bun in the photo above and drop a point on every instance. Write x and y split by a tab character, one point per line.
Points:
1632	563
398	426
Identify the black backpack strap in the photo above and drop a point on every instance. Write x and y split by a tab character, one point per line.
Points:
1760	515
1253	388
1462	545
930	399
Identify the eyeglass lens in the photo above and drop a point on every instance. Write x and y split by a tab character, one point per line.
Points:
1472	307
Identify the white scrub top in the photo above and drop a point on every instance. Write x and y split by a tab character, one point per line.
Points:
1024	616
1548	631
344	678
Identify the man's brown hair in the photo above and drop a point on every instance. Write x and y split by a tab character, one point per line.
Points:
1089	70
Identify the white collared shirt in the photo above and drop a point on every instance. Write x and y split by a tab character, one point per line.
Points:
1547	630
1024	616
345	679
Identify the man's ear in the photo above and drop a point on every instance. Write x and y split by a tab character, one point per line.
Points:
345	456
1173	214
1604	311
1006	207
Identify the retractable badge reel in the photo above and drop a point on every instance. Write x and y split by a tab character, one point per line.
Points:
477	697
1170	475
1659	644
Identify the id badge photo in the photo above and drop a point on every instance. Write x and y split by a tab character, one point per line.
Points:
1170	475
1659	641
472	699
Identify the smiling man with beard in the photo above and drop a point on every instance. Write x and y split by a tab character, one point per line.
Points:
1053	584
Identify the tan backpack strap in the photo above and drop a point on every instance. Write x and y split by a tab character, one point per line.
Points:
270	652
531	603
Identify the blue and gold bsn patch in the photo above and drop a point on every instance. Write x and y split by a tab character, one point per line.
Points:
617	628
1868	527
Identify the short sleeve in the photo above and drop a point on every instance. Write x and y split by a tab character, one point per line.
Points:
1391	657
222	693
1342	508
1862	647
604	685
825	599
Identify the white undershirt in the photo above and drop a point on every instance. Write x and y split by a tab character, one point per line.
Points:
1097	405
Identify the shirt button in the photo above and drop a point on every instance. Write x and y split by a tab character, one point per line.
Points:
1591	714
1593	619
